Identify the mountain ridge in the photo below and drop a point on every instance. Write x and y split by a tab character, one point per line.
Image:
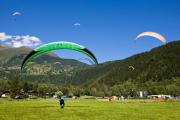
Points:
153	65
157	65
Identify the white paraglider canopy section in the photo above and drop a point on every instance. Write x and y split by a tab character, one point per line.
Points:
16	14
153	34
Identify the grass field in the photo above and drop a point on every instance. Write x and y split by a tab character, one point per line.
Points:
42	109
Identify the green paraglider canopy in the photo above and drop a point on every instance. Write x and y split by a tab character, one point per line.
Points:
57	46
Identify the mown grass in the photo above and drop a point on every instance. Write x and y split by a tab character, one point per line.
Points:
46	109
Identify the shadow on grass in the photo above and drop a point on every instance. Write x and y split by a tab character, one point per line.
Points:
77	106
58	106
43	106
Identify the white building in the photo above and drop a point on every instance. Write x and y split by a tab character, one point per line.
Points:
160	96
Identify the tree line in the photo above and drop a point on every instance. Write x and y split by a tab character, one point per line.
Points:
128	88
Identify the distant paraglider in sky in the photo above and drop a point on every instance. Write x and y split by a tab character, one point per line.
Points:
153	34
16	14
76	24
58	46
131	67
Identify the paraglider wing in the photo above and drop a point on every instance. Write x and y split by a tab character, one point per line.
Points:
152	34
87	59
16	13
131	67
57	46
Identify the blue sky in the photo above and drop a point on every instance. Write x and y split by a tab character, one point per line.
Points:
107	27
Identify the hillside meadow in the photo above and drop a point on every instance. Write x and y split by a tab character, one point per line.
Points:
83	109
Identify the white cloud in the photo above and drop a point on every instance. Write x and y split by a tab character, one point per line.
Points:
4	37
16	13
19	41
77	24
